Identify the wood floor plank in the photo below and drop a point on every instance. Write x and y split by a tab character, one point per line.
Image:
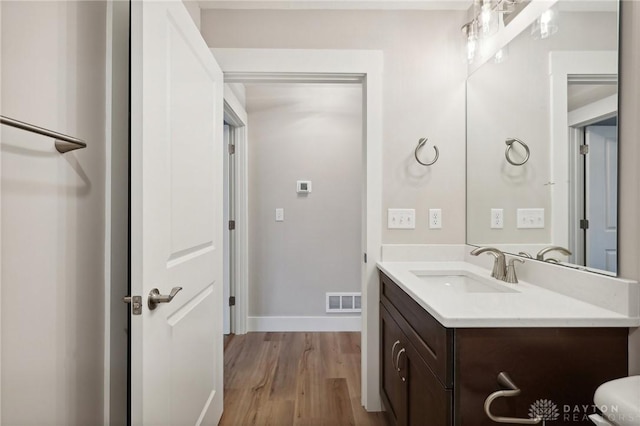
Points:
285	379
311	388
339	402
294	379
349	343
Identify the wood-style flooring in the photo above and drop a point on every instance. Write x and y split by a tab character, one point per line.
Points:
296	379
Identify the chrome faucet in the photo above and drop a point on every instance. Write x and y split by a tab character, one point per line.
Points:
511	271
541	253
499	267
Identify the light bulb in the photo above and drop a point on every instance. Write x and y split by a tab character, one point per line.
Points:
546	25
472	45
470	31
488	19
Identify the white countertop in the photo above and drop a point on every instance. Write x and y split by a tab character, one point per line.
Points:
528	306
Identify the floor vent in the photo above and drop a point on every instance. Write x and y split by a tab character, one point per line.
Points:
343	302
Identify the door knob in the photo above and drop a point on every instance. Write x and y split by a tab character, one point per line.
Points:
155	297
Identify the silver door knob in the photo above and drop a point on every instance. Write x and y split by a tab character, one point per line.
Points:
155	297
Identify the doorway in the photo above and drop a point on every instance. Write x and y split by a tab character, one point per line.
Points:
235	223
593	136
596	160
305	217
332	66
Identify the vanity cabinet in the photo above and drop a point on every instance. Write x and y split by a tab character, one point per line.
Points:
434	375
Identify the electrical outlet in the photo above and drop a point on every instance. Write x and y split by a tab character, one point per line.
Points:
401	218
497	218
435	218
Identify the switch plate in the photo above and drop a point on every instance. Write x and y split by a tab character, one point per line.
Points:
530	218
435	218
279	215
401	219
497	218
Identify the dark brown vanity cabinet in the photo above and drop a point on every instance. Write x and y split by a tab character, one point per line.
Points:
433	375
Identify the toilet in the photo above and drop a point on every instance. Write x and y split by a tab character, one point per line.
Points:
619	402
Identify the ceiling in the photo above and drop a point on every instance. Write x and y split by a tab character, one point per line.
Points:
338	4
565	5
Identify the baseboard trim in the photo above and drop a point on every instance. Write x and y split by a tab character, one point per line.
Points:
271	324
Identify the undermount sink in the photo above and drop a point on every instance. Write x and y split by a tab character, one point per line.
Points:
460	283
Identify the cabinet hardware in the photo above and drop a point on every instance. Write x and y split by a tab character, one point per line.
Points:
512	390
393	351
400	352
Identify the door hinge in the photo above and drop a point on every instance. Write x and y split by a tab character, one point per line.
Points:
136	304
232	301
232	148
365	258
232	225
584	149
584	224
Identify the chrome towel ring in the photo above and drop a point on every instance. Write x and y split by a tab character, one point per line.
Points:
421	143
507	151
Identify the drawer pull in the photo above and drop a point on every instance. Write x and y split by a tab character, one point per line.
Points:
393	351
400	352
512	390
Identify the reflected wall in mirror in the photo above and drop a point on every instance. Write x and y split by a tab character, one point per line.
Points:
558	97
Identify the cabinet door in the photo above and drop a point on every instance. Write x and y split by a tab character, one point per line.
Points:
393	388
557	370
429	403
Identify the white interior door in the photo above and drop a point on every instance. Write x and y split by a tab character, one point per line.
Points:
176	218
602	197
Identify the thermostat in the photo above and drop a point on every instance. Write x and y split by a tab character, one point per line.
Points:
304	186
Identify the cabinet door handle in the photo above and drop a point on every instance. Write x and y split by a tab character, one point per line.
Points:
393	350
512	390
400	352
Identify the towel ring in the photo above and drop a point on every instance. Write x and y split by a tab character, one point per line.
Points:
509	143
421	143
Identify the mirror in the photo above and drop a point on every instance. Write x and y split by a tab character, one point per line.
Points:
542	171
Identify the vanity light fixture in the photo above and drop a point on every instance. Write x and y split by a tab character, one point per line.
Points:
488	16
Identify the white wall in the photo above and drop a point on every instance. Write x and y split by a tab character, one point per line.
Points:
194	11
424	77
53	75
512	99
303	132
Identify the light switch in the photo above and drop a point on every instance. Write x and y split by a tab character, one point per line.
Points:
279	215
401	218
530	218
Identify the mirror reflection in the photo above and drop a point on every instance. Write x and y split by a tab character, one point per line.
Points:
542	147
